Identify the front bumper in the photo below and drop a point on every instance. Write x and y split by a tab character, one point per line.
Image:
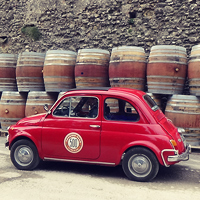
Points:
7	143
177	157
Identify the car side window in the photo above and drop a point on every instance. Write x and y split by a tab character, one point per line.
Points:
118	109
86	107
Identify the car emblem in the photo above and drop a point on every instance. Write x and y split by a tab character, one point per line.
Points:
179	140
73	142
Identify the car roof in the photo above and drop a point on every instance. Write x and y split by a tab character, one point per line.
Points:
107	90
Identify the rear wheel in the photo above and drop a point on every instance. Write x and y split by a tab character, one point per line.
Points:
24	155
140	164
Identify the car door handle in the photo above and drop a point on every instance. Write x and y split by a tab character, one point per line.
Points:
94	126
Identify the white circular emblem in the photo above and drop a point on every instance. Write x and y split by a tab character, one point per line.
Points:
73	142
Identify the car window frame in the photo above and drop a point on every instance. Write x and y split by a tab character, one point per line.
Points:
73	117
126	100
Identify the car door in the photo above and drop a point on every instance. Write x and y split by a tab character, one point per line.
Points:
72	130
122	124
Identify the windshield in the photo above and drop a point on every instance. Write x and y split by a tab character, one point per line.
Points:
151	102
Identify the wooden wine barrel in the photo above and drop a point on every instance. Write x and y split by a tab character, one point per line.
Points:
12	108
184	111
91	69
127	67
58	70
29	71
166	69
192	136
36	101
194	71
8	64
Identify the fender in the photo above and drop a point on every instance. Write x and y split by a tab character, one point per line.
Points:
142	143
22	134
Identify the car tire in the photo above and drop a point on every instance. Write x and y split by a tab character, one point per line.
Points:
24	155
140	164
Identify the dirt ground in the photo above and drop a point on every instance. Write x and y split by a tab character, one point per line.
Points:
54	181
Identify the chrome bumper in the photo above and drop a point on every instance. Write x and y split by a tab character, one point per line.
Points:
7	143
177	157
182	157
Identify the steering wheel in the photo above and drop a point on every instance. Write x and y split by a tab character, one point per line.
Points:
65	110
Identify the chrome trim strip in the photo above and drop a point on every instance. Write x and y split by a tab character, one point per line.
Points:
165	150
78	161
95	126
176	157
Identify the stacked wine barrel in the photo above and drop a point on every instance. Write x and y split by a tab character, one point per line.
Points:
30	80
167	72
91	68
128	67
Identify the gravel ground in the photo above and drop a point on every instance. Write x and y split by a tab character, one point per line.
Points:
54	181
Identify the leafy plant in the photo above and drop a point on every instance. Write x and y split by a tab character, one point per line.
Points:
130	30
32	32
131	21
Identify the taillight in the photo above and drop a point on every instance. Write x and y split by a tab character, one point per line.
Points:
174	144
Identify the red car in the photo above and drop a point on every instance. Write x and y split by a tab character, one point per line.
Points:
104	126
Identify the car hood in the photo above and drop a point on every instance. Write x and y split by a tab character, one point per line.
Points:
33	120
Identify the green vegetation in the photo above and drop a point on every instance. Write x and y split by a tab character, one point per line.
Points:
131	21
130	30
32	32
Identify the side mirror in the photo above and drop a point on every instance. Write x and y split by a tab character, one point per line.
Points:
46	108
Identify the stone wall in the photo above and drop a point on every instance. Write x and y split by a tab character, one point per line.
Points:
77	24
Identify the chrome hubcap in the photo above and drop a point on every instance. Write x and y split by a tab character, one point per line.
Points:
23	155
139	165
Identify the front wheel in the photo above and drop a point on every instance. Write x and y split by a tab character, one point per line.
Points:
24	155
140	164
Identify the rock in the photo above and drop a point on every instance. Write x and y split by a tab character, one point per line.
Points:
74	24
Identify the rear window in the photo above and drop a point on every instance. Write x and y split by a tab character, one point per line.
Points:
151	102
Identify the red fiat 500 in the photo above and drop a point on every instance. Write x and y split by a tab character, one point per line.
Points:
107	126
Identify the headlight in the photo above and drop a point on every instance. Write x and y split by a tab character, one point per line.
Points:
8	128
7	138
181	130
